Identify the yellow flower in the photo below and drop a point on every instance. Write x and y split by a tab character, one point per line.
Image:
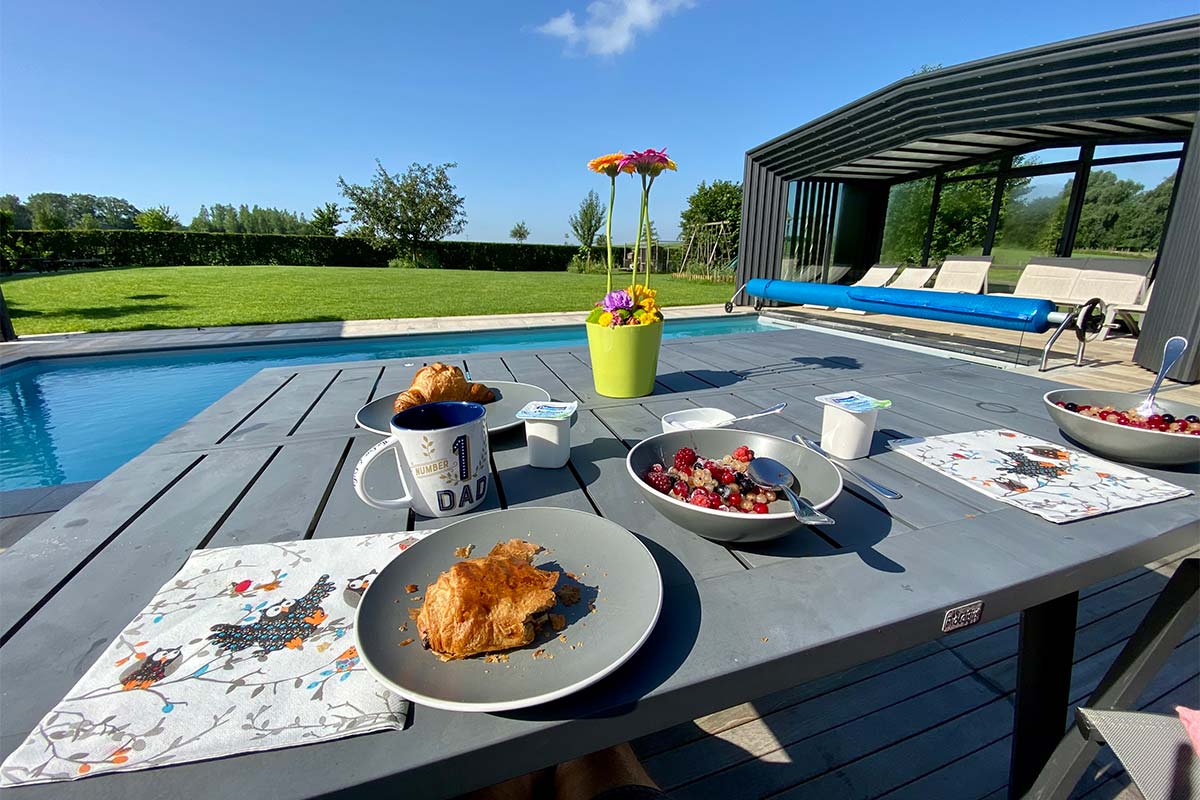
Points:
648	304
605	319
610	164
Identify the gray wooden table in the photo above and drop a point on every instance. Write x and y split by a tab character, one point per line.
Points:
271	461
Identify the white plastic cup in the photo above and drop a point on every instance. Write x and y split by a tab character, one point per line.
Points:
847	435
549	442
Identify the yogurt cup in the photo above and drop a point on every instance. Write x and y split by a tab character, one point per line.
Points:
848	424
690	419
548	433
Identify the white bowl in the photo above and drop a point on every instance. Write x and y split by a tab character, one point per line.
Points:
691	419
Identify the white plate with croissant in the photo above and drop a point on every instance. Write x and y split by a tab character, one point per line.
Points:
509	609
441	382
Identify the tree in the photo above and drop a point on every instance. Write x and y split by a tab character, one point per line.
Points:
157	219
202	222
51	211
720	201
519	232
588	220
325	219
22	217
87	222
115	213
1142	228
404	211
1107	201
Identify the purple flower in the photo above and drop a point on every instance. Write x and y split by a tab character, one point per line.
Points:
615	300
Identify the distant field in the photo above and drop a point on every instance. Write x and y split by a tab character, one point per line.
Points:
186	297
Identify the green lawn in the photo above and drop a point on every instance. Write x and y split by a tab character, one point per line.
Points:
184	297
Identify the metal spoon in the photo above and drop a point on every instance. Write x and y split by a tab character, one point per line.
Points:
769	472
775	409
1172	350
883	491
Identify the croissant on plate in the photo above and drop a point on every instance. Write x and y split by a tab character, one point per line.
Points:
487	604
439	382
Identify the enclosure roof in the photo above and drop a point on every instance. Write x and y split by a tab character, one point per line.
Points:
1134	84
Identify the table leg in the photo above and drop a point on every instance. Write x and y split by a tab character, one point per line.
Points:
1044	659
1159	633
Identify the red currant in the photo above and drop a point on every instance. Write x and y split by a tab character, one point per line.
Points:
761	508
735	498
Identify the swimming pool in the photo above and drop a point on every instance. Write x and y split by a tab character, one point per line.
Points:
77	419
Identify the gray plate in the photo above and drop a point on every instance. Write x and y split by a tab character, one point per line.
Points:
617	574
1119	442
511	397
820	482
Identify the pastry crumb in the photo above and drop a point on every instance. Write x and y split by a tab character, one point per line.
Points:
407	642
562	639
416	599
558	621
539	653
496	658
567	595
414	612
765	639
591	608
464	551
410	588
403	627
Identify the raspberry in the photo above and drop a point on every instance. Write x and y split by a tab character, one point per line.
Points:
660	481
761	508
714	502
685	457
743	453
699	497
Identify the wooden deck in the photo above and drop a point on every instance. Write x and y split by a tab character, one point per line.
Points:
930	722
1108	364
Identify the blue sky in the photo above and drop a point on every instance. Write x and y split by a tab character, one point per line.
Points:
269	102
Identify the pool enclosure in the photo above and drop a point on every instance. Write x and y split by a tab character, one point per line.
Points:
1085	148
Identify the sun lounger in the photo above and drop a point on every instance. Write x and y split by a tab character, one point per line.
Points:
874	277
912	278
963	274
1122	284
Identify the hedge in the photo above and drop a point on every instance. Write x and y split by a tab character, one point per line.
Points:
188	248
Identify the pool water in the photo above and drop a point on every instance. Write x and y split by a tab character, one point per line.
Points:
77	419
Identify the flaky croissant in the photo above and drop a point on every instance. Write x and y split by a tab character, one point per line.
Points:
439	382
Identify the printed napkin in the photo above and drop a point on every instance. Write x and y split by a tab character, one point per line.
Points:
1047	479
246	649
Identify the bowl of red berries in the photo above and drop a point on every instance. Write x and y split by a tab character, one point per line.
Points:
1108	424
698	480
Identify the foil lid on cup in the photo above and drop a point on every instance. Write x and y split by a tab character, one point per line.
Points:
854	402
540	409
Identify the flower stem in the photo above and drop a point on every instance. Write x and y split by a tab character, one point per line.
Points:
612	196
637	242
646	212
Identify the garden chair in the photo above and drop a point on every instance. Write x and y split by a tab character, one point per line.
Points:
1154	749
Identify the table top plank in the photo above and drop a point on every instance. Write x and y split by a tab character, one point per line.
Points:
275	419
222	417
293	483
45	657
349	390
345	514
528	368
49	554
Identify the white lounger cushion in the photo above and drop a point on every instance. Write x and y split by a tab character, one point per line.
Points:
876	276
1047	282
912	278
1121	288
962	276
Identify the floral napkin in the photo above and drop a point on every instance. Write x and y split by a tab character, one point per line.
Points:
247	648
1044	478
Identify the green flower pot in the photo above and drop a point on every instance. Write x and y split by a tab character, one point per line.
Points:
624	359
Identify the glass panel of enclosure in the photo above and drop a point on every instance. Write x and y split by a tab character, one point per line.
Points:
791	239
960	226
907	218
1032	214
1124	209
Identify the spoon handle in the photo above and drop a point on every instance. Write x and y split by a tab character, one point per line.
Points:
876	486
804	510
775	409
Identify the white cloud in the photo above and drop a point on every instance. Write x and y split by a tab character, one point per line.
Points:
611	25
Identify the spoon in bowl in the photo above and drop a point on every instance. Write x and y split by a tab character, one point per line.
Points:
1172	350
769	472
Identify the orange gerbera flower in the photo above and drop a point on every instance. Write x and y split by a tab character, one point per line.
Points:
610	164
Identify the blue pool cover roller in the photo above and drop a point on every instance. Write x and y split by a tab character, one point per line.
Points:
988	310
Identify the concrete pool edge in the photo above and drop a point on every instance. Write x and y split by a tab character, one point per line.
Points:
60	345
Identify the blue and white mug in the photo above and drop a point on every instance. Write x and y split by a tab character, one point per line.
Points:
442	454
